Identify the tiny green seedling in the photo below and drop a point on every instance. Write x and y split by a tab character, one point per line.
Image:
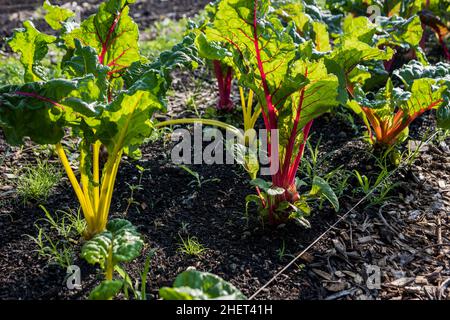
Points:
198	180
281	252
53	251
191	247
134	188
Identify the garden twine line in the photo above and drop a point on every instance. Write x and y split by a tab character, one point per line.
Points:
335	224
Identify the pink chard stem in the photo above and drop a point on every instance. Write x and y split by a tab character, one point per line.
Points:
224	84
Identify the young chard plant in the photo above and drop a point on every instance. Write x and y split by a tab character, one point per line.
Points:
120	243
196	285
217	59
291	90
389	112
89	102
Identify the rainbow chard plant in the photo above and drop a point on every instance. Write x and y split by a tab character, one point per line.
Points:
389	112
292	91
89	104
217	59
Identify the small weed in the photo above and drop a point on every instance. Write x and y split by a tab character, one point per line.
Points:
69	227
190	246
134	188
197	178
37	181
54	251
281	252
184	227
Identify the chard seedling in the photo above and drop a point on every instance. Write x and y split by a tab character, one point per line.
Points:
120	243
389	112
196	285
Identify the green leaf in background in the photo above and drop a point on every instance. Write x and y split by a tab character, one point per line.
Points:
107	290
399	31
321	188
196	285
32	46
211	50
415	70
112	33
182	55
55	15
443	117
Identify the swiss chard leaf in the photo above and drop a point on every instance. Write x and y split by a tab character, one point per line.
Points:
196	285
41	110
112	33
33	47
121	242
106	290
56	15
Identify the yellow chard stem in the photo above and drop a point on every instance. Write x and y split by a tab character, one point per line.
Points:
110	190
244	107
109	265
96	168
89	215
85	182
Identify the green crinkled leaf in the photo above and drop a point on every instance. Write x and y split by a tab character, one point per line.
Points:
399	31
182	55
41	110
196	285
85	61
211	50
107	290
416	70
126	122
32	46
262	184
443	117
321	188
112	33
55	15
275	191
358	28
322	38
121	239
350	52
